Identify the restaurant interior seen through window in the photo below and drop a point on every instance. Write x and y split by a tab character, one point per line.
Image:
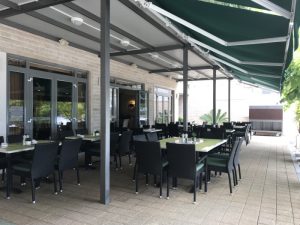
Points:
163	105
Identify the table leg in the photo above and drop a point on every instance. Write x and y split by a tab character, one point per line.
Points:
8	176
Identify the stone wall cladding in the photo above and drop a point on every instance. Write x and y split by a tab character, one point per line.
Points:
21	43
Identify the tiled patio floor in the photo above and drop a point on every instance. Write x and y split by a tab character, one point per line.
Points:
269	193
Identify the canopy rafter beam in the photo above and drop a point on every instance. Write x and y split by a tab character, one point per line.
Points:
244	71
180	69
274	8
258	41
147	50
233	59
205	79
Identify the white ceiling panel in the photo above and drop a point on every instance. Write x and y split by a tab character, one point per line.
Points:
126	19
54	31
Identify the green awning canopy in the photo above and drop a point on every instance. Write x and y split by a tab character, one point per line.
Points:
255	38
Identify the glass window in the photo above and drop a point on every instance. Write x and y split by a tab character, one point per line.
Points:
81	106
16	104
64	105
113	104
41	108
163	106
143	108
16	62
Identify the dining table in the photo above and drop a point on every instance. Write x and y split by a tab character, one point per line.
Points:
88	137
152	130
202	145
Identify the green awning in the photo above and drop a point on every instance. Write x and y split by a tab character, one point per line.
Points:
233	21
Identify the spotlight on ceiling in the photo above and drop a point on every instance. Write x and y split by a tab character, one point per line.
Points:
77	21
175	65
125	42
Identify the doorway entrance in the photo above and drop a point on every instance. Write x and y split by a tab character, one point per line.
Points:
129	105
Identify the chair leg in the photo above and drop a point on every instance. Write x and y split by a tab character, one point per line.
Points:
32	191
168	188
206	173
229	179
136	182
54	183
116	161
78	178
22	181
233	177
239	167
134	172
60	181
147	179
195	187
235	174
120	160
161	183
200	181
174	185
88	160
129	158
3	175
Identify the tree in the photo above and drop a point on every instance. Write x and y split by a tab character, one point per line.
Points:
291	86
220	117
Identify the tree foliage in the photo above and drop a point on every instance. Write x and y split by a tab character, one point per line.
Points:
291	86
220	117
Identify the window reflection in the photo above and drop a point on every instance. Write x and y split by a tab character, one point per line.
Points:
16	104
81	106
64	105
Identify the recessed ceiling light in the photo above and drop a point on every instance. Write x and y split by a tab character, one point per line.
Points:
76	21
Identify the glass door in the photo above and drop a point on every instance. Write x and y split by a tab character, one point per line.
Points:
41	98
16	104
64	105
143	108
41	108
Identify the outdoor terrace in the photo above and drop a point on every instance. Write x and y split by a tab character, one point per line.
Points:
269	193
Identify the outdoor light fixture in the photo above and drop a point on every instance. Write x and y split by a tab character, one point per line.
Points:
133	65
154	56
63	42
125	42
77	21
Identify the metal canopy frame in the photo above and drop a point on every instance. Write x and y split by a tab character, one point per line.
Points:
147	50
183	69
124	33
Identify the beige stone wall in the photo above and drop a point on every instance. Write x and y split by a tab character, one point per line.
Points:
25	44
